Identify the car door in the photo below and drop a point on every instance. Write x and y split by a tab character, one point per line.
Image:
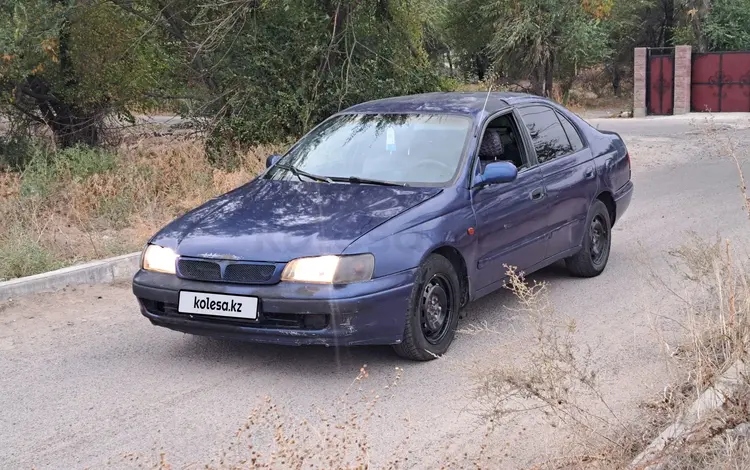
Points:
569	174
510	220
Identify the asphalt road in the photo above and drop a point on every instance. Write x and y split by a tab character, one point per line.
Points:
85	381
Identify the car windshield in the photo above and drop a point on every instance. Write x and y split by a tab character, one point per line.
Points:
410	149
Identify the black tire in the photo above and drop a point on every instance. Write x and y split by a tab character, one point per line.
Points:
593	257
428	333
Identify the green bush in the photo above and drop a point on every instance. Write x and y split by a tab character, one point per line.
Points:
45	168
83	161
16	152
116	210
21	254
39	175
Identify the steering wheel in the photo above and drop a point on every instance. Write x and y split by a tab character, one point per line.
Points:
433	163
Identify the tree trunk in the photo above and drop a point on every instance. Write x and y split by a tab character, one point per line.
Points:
549	68
565	86
339	18
616	80
668	25
481	66
537	80
704	6
74	127
69	124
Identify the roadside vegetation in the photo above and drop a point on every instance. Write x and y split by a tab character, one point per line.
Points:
82	203
81	177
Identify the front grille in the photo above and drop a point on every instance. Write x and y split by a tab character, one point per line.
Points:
249	273
240	273
199	270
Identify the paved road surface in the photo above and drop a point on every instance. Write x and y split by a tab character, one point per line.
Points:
86	380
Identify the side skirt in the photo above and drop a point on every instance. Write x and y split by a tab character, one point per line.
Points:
543	264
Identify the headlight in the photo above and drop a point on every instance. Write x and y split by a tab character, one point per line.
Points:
330	269
159	259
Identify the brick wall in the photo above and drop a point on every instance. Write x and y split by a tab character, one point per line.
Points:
639	83
683	56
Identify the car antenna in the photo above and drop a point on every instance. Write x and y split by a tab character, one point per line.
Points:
489	90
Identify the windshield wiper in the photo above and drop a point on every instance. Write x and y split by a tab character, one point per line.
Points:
358	180
298	173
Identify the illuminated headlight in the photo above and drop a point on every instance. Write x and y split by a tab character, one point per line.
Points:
159	259
330	269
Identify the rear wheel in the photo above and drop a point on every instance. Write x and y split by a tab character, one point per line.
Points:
433	311
597	241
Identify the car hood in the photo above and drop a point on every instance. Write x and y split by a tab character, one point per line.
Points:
277	221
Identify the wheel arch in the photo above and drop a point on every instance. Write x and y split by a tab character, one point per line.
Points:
609	201
458	261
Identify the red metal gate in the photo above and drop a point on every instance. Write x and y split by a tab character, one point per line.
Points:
660	79
721	82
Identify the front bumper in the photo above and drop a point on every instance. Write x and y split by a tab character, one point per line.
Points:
372	312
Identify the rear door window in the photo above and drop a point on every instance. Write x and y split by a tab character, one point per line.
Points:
548	135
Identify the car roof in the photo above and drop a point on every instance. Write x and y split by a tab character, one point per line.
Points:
466	103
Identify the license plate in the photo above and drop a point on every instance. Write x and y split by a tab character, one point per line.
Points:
218	305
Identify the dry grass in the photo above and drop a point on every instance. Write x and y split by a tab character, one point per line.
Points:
272	439
558	379
86	204
715	321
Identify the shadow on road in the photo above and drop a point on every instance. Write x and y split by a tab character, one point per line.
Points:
313	360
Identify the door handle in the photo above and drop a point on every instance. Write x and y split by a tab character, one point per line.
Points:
589	172
537	194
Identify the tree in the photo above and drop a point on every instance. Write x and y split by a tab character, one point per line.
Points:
468	31
629	24
269	70
545	39
717	25
67	65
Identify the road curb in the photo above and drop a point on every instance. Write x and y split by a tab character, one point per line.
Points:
96	272
712	399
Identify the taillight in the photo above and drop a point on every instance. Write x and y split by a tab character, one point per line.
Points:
630	169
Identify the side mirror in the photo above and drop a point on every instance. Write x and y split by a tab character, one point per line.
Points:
272	160
497	173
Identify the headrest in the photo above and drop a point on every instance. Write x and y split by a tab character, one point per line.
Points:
492	145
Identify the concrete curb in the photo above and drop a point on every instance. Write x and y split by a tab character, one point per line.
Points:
96	272
712	399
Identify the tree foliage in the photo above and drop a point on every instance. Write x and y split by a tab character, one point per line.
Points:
268	70
544	39
68	65
468	31
719	25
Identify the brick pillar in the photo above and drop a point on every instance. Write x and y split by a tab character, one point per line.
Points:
683	62
639	82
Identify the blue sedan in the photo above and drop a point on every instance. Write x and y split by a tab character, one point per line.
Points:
385	220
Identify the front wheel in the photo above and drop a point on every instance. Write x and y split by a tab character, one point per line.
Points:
597	241
432	318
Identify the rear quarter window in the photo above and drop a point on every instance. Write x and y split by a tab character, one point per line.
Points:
573	134
549	137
